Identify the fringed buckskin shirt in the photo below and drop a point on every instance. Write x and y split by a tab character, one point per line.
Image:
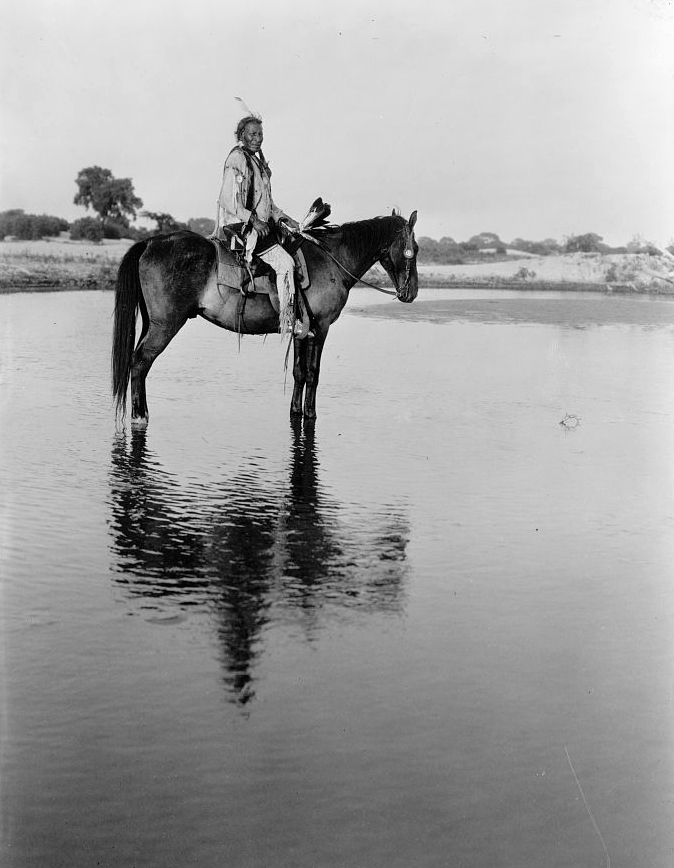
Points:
236	183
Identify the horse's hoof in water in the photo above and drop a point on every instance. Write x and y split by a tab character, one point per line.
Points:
139	421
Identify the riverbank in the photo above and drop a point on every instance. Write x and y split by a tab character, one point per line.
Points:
59	263
612	272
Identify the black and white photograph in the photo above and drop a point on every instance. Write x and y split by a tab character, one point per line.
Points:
337	434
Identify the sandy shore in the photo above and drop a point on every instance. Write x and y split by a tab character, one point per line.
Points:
61	263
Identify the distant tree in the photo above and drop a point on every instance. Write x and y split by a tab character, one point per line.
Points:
551	245
30	226
485	239
428	248
635	244
588	243
540	248
87	229
165	222
202	225
443	252
113	229
113	199
638	244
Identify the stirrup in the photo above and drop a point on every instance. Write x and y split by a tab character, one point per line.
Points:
302	329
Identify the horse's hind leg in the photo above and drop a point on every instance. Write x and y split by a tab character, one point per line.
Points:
151	345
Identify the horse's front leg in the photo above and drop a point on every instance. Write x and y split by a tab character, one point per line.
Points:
299	375
314	350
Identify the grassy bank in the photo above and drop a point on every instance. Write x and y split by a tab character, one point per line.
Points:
64	264
59	263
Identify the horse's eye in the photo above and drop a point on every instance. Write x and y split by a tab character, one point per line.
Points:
408	254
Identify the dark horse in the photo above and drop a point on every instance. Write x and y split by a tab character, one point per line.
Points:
171	278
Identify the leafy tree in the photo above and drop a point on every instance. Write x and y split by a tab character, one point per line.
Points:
588	243
485	239
165	222
443	252
113	229
87	229
638	244
112	198
540	248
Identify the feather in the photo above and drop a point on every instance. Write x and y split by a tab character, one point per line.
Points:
249	112
317	216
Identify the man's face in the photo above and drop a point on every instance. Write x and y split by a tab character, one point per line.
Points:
252	136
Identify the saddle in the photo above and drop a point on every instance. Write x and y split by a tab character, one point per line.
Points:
234	272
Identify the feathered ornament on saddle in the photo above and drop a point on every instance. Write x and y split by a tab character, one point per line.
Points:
316	217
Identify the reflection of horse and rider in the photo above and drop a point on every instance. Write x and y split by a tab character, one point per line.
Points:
243	547
169	279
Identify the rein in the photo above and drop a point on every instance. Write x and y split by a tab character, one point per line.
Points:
346	270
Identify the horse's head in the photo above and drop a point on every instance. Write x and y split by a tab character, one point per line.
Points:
399	259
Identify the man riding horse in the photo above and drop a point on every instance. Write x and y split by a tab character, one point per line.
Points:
246	207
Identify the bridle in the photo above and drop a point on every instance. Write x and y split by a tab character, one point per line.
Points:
408	253
383	253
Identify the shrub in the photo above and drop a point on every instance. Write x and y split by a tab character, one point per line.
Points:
166	223
87	229
485	239
30	226
540	248
588	243
113	230
138	233
202	225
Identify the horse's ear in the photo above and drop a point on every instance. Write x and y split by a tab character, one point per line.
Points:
394	213
413	219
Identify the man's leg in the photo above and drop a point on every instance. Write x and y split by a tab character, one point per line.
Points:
283	264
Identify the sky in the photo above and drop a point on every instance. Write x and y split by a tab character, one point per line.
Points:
527	118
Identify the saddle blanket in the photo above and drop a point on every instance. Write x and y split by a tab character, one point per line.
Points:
233	275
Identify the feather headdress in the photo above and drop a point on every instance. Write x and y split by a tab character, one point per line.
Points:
249	112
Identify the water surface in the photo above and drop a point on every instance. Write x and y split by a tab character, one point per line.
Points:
230	640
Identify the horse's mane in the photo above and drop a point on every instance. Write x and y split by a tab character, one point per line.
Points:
363	236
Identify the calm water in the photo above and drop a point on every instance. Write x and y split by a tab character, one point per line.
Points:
234	642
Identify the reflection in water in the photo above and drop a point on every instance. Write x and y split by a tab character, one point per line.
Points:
239	547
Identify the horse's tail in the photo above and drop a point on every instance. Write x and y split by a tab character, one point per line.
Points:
128	299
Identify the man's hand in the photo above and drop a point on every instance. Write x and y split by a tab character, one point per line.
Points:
261	228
